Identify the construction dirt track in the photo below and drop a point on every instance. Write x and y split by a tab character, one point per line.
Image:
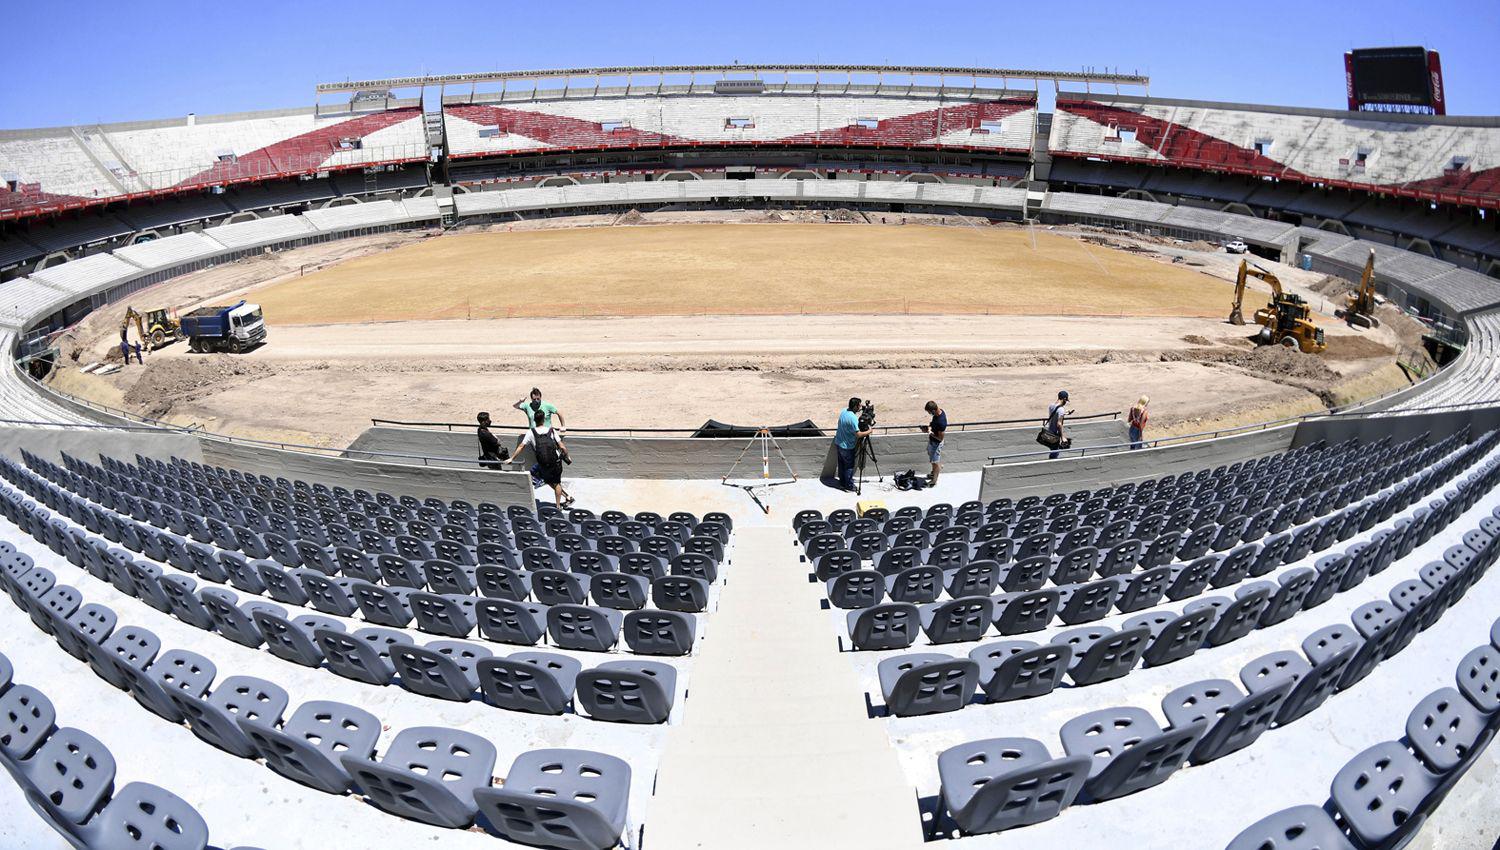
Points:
666	326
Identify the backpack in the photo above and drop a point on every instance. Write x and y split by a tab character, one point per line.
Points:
545	448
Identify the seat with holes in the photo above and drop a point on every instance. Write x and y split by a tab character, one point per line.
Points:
535	682
1001	783
1128	750
1379	794
1297	828
567	799
1019	669
141	815
214	718
308	746
428	774
927	683
628	691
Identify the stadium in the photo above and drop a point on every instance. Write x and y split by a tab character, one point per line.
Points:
264	595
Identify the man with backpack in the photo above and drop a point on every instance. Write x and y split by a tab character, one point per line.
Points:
550	452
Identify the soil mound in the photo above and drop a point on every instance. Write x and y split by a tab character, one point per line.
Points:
632	217
167	382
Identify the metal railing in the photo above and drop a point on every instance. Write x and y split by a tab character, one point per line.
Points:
777	431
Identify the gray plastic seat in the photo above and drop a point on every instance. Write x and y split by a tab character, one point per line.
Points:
1380	792
957	620
383	606
1128	750
1179	637
329	595
1478	677
856	589
1297	828
1445	730
976	578
580	627
1001	783
7	673
1022	613
628	691
618	591
308	746
507	621
27	718
363	656
1314	683
291	641
568	799
90	624
1085	603
141	815
891	625
1236	618
556	587
535	682
498	581
927	683
442	669
174	671
1235	719
68	777
130	646
1296	584
451	615
214	718
653	632
688	594
918	585
427	774
1019	669
1101	654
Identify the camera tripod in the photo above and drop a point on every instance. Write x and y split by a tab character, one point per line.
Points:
766	442
864	451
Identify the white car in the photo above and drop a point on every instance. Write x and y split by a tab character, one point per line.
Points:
1235	246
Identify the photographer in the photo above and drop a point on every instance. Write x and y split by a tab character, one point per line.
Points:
1056	413
547	445
935	431
845	439
490	452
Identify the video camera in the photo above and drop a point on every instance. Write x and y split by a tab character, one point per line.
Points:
866	415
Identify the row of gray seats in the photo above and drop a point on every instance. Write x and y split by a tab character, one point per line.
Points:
1002	783
1384	795
68	778
896	625
570	625
435	775
929	683
537	682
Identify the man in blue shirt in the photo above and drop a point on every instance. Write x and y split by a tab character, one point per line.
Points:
935	431
844	441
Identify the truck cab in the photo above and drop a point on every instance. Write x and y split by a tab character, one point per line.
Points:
247	327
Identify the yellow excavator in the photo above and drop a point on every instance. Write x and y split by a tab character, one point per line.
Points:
156	328
1360	308
1286	320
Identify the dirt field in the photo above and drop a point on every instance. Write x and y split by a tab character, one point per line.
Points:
683	269
322	383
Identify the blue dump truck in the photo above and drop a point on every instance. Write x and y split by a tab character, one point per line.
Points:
234	328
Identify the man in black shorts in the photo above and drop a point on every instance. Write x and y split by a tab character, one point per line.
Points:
547	445
935	431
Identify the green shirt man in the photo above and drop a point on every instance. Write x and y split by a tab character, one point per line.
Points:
528	406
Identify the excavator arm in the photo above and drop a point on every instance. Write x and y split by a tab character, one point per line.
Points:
1236	312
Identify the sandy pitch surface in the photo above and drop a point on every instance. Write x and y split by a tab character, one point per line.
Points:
737	269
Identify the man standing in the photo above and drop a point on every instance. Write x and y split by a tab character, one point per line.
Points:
935	430
529	408
547	445
1056	413
548	409
844	440
490	453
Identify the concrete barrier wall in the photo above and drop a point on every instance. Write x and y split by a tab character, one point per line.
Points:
1044	477
709	458
88	443
476	485
1398	427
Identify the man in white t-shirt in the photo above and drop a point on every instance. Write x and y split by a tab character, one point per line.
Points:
547	447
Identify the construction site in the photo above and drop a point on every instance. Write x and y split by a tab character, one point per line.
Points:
778	317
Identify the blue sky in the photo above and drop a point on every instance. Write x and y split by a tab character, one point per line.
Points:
86	61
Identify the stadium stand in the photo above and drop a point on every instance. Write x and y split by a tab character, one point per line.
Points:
479	129
250	627
67	168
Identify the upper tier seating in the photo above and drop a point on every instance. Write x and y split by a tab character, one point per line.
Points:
1432	158
81	166
781	119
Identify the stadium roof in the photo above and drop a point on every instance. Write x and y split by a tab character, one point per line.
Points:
627	70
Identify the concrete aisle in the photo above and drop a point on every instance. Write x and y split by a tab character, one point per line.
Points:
776	749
